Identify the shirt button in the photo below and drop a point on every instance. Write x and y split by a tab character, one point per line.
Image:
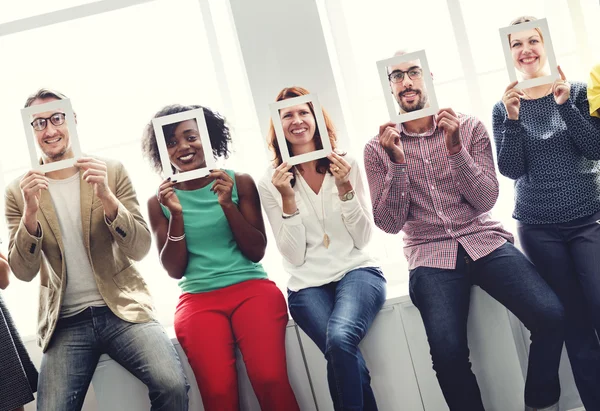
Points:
449	230
402	194
426	161
432	187
440	214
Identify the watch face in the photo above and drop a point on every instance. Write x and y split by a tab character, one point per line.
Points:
349	195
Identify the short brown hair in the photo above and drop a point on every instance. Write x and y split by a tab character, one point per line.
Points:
526	19
44	93
323	163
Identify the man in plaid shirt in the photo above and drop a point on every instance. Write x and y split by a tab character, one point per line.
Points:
434	178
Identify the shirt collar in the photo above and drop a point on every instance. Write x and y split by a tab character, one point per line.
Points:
427	133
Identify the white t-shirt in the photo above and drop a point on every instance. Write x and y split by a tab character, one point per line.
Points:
81	291
300	238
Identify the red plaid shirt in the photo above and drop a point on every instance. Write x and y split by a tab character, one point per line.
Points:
438	200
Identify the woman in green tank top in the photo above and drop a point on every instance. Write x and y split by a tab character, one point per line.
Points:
210	236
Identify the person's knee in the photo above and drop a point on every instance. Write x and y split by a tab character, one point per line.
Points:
449	353
550	320
342	339
217	390
269	379
172	387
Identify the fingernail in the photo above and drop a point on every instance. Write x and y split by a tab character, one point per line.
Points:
169	179
174	181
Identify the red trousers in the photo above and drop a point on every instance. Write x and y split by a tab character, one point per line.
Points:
251	314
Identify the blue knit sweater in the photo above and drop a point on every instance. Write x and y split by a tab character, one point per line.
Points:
552	153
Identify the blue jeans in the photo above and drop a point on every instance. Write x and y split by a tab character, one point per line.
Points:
442	296
336	317
567	255
143	349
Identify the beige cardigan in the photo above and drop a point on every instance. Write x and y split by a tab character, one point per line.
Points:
111	249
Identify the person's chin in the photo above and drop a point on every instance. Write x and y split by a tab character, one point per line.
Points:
58	155
410	109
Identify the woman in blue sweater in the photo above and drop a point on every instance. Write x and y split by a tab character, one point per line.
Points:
547	142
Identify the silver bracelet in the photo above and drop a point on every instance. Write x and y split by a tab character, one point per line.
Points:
179	238
286	216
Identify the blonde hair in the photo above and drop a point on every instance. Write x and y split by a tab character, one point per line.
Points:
44	93
526	19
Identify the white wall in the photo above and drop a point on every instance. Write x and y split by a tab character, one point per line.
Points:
283	45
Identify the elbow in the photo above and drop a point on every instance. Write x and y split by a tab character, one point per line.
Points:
174	272
4	280
512	174
256	255
364	239
509	170
390	228
4	274
20	271
294	258
138	255
140	248
296	262
488	202
176	275
24	275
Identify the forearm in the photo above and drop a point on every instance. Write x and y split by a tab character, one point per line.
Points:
111	206
391	201
24	249
290	237
250	240
357	222
356	213
509	148
174	254
290	233
30	222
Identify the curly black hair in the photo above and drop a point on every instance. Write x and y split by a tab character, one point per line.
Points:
218	131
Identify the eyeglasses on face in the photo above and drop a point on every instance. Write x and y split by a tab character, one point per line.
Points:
40	123
397	76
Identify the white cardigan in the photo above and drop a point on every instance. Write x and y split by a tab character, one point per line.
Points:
300	238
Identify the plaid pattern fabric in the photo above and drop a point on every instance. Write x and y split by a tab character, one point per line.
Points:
438	200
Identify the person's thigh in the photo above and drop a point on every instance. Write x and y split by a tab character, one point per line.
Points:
510	278
259	323
311	308
584	247
359	296
549	252
145	350
68	366
205	334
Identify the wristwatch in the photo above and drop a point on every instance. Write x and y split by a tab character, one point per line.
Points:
348	196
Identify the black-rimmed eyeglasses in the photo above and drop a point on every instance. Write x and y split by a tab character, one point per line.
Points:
40	123
397	76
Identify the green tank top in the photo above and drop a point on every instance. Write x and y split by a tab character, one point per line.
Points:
214	258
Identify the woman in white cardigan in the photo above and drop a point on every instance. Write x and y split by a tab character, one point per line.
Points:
322	222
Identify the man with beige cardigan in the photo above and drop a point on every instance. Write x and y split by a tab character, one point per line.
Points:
92	298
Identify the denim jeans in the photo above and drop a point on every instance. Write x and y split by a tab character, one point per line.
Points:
442	297
336	317
143	349
567	256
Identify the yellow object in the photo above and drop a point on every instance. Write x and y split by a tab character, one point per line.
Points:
594	91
